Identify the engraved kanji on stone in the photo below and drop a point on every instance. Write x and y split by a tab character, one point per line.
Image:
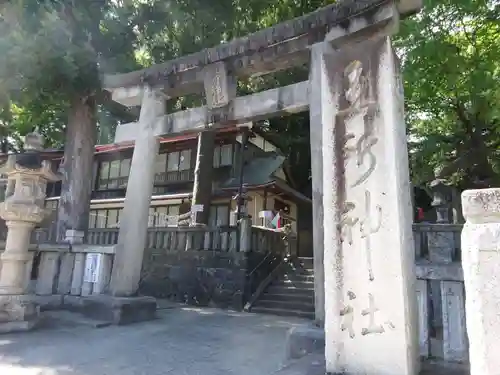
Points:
362	149
359	93
219	87
218	96
359	97
367	227
347	314
349	149
365	156
347	223
370	312
357	89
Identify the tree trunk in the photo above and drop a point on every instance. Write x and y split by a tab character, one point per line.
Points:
77	167
479	172
203	175
7	116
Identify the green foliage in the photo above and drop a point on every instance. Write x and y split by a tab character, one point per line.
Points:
451	66
52	50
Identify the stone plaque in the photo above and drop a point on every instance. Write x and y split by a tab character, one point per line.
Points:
92	265
219	86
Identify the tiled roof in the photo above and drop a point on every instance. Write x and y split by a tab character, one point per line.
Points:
258	171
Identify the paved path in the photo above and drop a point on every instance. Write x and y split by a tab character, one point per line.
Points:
185	341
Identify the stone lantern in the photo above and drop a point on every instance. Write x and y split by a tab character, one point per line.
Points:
442	195
23	209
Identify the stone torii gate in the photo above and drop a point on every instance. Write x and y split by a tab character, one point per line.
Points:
361	199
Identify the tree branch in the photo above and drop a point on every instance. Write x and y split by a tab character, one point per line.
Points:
123	113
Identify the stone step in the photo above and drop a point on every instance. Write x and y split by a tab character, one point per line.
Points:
283	312
299	270
306	262
305	267
307	285
285	289
64	318
304	298
285	305
298	277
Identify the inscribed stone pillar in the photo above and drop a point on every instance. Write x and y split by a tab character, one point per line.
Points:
481	265
370	315
320	101
134	220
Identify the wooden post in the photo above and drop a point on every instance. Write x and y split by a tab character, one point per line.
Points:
203	176
240	202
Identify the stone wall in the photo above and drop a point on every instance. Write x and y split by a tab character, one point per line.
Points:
202	278
214	274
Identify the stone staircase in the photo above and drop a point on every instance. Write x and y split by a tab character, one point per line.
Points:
292	294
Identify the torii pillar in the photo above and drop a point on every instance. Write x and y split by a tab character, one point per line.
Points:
369	263
121	305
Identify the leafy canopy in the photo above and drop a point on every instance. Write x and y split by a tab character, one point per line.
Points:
53	50
451	66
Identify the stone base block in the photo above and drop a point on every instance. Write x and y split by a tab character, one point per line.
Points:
304	340
47	303
18	313
73	303
116	310
20	326
312	364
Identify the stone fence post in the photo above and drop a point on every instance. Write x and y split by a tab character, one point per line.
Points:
481	265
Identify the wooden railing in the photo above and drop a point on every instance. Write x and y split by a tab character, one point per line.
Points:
174	176
175	238
197	238
264	239
193	238
440	292
44	235
102	236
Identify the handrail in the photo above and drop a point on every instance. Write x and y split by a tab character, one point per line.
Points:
260	263
264	284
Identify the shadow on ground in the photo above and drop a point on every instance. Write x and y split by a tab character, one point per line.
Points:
184	341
